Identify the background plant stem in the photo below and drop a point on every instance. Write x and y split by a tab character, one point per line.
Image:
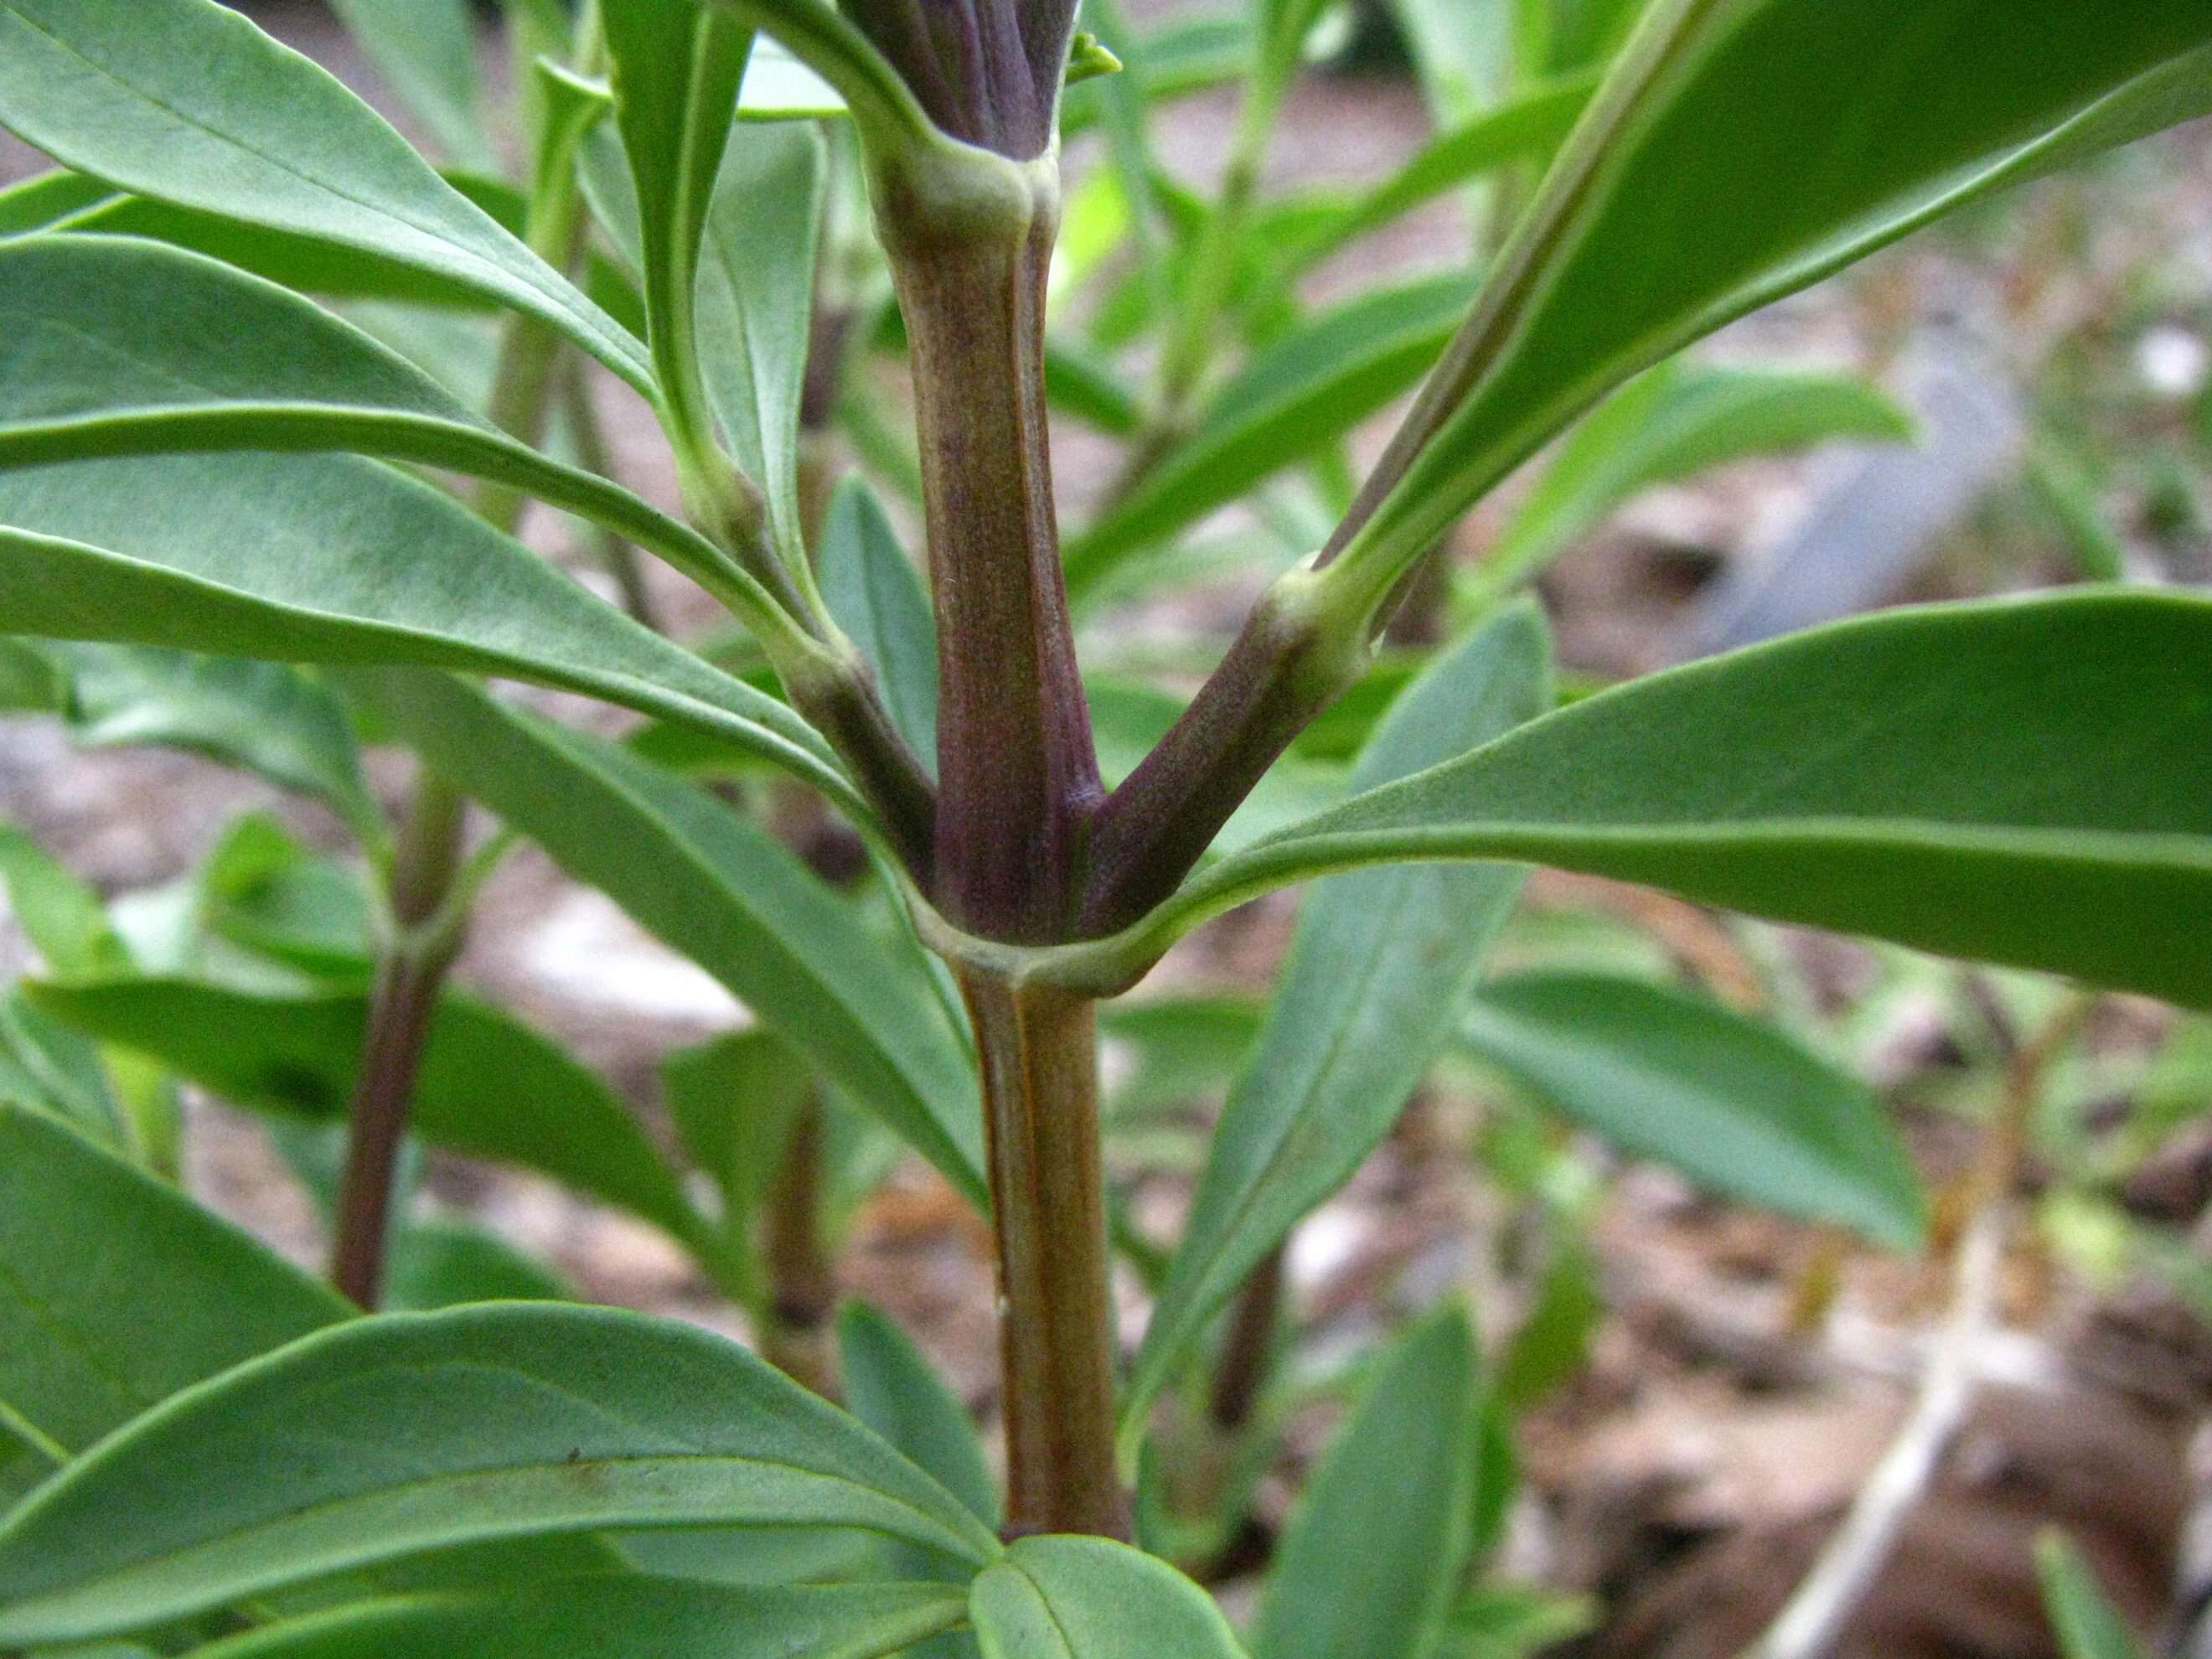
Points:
1039	1049
409	977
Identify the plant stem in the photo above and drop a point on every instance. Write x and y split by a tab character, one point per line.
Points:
1039	1049
970	240
802	1286
408	976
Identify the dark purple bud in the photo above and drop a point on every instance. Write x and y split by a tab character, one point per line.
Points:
988	71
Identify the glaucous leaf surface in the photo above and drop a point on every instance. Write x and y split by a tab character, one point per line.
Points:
1741	149
1090	1598
756	305
1674	422
333	559
719	888
116	1291
388	1436
876	595
2027	782
1742	1110
1377	1547
119	346
593	1618
2088	1627
188	103
1288	402
426	51
490	1087
1377	972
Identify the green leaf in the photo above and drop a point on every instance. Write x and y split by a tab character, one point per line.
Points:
123	347
757	275
2088	1625
116	1291
61	915
327	558
1552	1343
389	1436
734	1101
1293	399
2024	781
1090	1598
1529	127
490	1087
592	1618
1734	1104
1181	1049
890	1385
1462	49
1739	150
1377	1547
1379	968
188	103
442	1264
426	51
48	1065
677	70
266	718
1672	423
723	891
876	595
265	891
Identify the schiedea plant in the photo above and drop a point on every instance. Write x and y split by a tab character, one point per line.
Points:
209	1453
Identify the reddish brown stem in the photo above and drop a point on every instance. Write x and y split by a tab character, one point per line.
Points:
400	1006
1017	775
1040	1062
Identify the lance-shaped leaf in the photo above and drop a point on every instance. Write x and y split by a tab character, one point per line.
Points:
1739	150
266	718
890	1385
1379	969
1291	399
2024	781
876	595
386	1437
117	346
1091	1598
188	103
2088	1625
756	298
426	49
116	1291
490	1086
722	890
590	1618
332	559
677	71
1737	1106
1377	1547
1674	422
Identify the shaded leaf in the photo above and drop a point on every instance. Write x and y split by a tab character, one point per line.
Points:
1377	1546
443	1264
1377	975
426	49
722	890
591	1618
876	595
188	103
2088	1625
386	1436
1734	1104
489	1087
890	1385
